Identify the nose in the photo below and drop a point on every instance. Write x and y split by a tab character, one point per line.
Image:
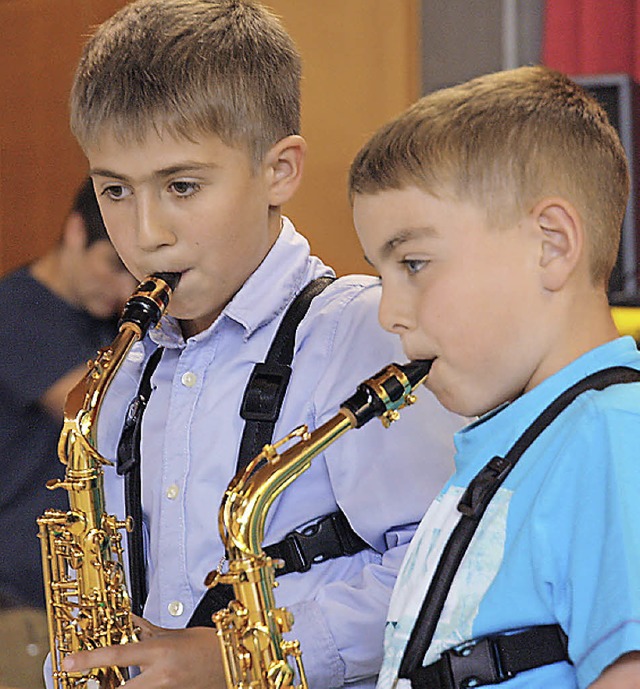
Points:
153	229
394	310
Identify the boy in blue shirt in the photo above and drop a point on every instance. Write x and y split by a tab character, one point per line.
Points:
492	212
188	112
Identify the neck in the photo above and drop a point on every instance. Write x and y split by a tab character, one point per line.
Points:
586	323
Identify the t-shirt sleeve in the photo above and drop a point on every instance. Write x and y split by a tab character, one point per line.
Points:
599	596
40	341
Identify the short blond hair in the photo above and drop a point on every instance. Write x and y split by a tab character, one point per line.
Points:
188	67
504	141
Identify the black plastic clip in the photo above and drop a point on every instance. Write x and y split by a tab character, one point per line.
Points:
475	663
483	486
265	392
328	538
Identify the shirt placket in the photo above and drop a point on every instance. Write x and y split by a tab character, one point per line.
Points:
174	582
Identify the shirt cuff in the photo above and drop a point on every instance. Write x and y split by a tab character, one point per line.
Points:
320	658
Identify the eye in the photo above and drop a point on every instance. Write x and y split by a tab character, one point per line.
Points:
116	192
184	189
414	265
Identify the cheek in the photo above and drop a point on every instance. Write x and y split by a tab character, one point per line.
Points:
119	224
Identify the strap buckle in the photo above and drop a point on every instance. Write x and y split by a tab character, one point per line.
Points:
475	663
265	392
328	538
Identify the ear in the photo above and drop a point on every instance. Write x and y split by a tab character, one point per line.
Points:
284	164
74	233
562	238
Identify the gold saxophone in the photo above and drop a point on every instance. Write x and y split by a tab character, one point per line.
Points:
86	598
250	630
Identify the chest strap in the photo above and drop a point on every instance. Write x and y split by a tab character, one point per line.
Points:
265	391
493	659
473	504
128	465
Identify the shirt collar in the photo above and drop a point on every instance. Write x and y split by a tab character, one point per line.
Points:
266	293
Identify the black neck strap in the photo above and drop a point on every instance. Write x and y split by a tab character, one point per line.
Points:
129	465
265	391
473	505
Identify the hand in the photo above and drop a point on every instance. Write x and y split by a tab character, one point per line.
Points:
167	658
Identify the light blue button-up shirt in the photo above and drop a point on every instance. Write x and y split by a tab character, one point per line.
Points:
383	479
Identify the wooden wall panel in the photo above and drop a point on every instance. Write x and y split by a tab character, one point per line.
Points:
361	62
40	163
361	67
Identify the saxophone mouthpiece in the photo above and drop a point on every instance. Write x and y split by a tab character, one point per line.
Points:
147	304
416	371
172	279
387	391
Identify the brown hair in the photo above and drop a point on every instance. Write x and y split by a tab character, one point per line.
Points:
224	67
504	141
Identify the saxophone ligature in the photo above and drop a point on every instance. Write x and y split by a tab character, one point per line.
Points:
250	630
87	602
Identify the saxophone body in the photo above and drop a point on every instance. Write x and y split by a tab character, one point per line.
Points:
250	630
82	556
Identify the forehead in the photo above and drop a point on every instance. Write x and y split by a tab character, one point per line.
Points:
159	152
411	219
402	214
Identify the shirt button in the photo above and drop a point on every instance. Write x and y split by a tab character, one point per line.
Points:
172	491
189	379
175	608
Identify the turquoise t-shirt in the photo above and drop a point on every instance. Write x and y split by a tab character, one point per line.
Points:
560	541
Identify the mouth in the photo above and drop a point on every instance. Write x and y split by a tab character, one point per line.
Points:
173	277
414	356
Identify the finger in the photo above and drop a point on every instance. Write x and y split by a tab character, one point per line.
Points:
108	656
144	629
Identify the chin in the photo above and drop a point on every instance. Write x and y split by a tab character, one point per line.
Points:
449	398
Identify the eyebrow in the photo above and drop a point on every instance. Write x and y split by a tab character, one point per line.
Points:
405	235
161	173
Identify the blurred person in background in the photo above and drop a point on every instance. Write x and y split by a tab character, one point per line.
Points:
56	313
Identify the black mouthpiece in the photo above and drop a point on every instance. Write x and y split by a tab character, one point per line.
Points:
172	279
386	390
147	304
416	370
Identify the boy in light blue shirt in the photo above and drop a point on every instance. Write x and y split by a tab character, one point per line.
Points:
492	211
188	112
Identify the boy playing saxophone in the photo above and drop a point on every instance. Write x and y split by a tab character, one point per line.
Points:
188	112
492	211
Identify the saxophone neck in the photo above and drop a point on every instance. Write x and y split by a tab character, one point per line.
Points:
143	310
250	495
85	398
